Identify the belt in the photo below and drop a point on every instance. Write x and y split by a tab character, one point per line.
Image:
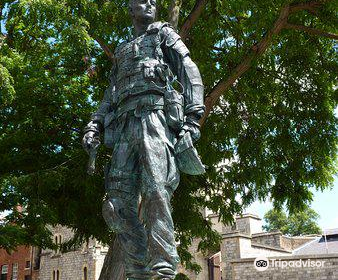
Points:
140	104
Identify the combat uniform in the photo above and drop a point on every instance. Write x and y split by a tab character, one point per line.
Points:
142	115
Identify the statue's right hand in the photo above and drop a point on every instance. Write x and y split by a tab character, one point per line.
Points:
87	140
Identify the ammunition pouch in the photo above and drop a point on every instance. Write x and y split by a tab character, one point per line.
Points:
109	127
188	160
173	109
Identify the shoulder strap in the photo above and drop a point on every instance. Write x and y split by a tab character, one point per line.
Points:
157	26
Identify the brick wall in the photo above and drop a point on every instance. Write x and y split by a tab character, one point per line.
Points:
24	257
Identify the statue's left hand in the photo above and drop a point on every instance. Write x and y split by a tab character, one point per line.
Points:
87	140
193	129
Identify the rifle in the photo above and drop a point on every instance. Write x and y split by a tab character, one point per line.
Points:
94	145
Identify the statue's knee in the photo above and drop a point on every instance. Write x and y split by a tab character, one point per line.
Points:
157	195
112	211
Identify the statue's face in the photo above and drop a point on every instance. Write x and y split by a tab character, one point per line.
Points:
143	10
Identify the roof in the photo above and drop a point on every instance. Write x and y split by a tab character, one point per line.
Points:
328	232
247	215
326	244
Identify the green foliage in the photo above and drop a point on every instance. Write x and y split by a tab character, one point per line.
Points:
181	276
9	63
296	224
273	134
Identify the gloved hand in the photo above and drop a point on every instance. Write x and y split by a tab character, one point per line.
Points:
191	124
88	139
193	129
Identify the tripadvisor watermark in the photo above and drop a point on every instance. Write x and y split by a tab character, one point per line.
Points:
262	263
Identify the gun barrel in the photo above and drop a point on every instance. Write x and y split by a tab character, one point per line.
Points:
92	157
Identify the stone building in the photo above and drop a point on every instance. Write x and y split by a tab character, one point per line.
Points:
84	263
243	242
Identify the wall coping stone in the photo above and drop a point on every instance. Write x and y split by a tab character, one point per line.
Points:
270	248
309	237
267	233
213	215
235	234
248	216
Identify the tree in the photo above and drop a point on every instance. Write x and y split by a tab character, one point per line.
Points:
296	224
269	130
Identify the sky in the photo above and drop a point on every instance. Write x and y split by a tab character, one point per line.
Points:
324	203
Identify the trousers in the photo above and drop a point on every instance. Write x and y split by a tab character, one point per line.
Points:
140	182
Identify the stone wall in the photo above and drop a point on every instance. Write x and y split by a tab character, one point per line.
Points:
291	243
272	239
237	245
200	259
217	224
248	224
243	269
229	250
71	264
276	239
248	249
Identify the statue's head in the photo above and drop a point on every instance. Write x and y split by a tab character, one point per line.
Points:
142	10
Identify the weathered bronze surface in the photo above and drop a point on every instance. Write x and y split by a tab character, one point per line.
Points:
149	116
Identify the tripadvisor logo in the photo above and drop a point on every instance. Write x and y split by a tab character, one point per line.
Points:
261	263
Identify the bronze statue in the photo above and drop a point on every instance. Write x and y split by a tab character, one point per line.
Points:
149	116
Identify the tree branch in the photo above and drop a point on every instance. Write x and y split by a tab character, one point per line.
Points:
311	31
310	6
105	48
257	50
174	12
113	266
192	18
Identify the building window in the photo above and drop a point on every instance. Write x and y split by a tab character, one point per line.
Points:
4	271
56	275
28	264
214	267
85	273
15	267
57	241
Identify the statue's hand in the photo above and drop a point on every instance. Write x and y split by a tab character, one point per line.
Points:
87	140
193	129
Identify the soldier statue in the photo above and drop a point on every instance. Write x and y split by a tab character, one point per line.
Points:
150	119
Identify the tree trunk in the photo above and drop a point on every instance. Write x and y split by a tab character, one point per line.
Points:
113	266
174	12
